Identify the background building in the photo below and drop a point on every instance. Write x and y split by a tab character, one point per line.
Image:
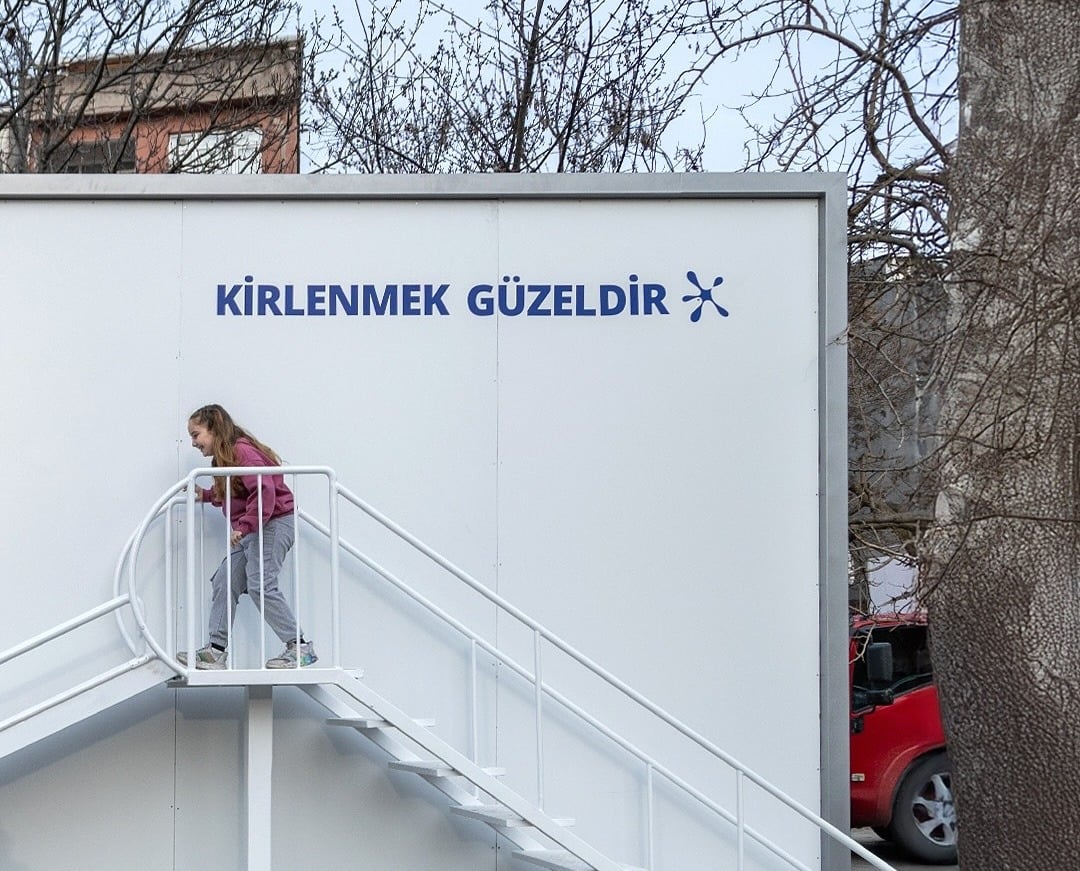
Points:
223	110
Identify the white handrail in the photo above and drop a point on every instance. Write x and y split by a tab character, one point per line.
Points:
594	667
187	486
63	628
78	690
182	492
820	822
114	606
119	574
136	544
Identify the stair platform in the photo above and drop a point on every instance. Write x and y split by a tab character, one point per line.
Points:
228	677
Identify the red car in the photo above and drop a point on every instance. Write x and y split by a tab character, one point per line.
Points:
901	778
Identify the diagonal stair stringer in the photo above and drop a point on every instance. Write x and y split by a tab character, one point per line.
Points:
516	818
110	688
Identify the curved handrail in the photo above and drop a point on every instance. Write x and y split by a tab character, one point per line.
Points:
136	606
118	574
187	486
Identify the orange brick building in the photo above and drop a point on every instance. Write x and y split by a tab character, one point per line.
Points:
222	110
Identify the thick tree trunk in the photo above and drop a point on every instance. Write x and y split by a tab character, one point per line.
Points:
1005	605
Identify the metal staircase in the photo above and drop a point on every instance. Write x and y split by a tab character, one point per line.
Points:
412	746
474	791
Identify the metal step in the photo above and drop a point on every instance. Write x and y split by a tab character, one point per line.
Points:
371	722
559	860
494	815
435	768
526	827
498	816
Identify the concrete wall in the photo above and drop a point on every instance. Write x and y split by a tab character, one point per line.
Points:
645	484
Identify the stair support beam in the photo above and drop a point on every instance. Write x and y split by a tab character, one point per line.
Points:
74	692
259	750
538	674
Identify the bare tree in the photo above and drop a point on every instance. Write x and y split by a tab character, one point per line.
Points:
77	79
563	87
896	330
1006	548
984	234
868	87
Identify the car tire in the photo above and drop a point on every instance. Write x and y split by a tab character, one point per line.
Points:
924	816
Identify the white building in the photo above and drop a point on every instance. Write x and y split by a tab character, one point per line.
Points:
638	459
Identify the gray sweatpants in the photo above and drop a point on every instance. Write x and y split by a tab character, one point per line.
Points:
278	537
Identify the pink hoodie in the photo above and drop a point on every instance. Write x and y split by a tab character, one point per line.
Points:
277	499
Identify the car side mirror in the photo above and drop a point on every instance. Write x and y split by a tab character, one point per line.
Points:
879	665
879	672
879	669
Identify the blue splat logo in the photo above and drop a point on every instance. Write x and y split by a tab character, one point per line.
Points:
703	296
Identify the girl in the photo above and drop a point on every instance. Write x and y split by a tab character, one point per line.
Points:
215	435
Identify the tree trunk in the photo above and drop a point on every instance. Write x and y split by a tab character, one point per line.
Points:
1005	558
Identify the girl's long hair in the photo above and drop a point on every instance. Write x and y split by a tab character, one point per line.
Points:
223	428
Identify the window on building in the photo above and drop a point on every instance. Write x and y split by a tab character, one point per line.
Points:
94	156
216	151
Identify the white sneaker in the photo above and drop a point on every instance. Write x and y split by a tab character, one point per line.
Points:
208	657
288	657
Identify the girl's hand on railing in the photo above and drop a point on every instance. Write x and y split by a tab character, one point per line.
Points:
235	537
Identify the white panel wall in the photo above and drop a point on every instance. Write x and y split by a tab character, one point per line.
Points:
647	486
658	479
88	351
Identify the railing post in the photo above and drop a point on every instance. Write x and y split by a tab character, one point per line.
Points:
230	654
740	810
201	617
650	805
296	564
335	561
262	574
170	634
189	551
538	673
475	738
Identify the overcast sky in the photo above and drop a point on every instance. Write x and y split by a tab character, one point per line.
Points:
726	85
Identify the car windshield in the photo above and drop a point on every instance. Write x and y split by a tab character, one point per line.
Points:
911	660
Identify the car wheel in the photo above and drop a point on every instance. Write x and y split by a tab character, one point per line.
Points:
924	816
